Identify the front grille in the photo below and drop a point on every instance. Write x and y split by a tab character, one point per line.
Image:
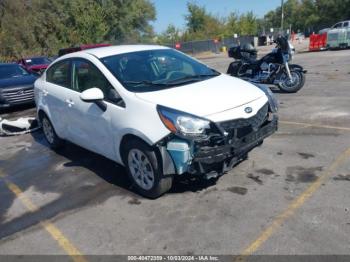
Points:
18	94
241	127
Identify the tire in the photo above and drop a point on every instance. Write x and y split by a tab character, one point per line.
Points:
286	86
50	134
150	181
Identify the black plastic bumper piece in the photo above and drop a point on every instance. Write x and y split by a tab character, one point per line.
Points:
220	159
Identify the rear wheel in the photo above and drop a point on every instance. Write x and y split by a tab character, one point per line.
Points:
50	133
294	85
144	169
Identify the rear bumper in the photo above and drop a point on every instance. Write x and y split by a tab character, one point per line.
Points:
222	158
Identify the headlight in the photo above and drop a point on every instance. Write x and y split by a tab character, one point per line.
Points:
183	123
272	99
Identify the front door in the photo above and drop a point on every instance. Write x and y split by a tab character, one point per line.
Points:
90	126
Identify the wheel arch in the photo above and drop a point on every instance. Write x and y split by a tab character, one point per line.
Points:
164	159
41	113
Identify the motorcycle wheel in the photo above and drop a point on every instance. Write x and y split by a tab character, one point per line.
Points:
288	86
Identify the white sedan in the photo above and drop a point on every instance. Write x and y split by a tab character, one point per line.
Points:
154	110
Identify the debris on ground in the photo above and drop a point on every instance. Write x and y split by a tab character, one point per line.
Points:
20	126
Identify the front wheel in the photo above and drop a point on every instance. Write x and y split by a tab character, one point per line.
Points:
144	169
294	85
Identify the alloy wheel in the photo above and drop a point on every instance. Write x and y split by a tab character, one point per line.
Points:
141	169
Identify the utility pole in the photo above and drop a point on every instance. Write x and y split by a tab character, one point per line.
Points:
282	15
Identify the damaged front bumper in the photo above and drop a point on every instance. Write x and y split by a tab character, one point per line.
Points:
219	159
218	154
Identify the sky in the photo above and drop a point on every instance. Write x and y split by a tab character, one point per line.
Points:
173	11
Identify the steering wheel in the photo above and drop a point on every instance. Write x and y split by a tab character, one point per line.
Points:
175	75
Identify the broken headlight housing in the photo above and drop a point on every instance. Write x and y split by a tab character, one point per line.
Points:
183	124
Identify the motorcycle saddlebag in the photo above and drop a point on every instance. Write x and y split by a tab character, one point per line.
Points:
235	52
233	68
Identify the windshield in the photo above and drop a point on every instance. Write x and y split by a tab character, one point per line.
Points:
12	70
37	61
154	70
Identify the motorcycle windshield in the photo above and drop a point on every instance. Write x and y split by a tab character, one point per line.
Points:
284	45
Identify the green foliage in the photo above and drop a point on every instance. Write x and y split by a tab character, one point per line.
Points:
196	18
309	14
33	27
302	15
201	24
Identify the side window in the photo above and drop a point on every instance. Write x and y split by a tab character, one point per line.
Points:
85	76
59	74
346	24
339	25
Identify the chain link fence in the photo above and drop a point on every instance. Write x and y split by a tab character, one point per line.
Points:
212	45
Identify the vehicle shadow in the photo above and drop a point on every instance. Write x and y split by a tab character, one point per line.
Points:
107	169
79	157
276	90
191	185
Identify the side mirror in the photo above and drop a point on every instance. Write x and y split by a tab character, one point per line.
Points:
92	95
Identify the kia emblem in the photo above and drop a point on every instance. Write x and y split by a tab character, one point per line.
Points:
248	110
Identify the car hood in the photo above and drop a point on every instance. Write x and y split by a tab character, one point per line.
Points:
17	81
206	97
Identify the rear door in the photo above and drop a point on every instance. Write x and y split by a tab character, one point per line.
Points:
53	95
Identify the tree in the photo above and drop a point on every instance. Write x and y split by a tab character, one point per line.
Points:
202	24
232	26
310	14
44	26
248	24
196	18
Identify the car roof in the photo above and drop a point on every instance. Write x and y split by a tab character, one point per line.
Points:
120	49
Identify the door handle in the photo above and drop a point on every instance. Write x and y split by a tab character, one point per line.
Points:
69	102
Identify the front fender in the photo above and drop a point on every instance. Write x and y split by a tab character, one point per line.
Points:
297	68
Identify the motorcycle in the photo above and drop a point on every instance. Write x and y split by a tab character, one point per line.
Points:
272	69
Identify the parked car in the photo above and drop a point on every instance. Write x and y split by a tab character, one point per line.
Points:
323	31
154	110
69	50
35	64
16	85
339	35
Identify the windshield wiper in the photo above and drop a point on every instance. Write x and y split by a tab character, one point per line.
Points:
147	83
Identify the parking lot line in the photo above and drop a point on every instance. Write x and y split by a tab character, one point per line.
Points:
54	232
313	125
298	202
